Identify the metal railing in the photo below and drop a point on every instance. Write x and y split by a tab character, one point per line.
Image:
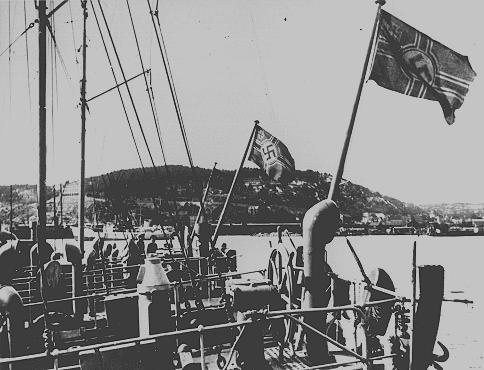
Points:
55	355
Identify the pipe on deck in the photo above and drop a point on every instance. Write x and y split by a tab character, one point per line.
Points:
319	227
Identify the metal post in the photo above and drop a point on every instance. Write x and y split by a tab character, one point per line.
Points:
414	300
83	132
94	216
339	173
41	207
11	208
234	181
60	200
55	209
9	341
202	347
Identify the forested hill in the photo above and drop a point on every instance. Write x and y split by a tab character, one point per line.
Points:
268	201
256	199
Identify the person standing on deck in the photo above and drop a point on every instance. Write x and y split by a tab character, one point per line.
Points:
141	243
203	231
151	247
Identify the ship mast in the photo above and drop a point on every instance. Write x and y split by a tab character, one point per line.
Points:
41	206
83	133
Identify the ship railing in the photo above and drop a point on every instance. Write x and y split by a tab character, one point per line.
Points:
109	278
212	277
56	354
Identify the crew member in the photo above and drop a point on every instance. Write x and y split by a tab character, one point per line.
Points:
141	243
151	247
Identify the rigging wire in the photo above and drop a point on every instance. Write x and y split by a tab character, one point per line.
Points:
118	88
31	25
55	65
73	38
28	63
57	49
119	91
143	169
8	48
158	122
127	87
52	56
9	62
166	64
155	117
149	91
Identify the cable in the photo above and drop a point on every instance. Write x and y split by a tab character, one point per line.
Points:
197	299
171	85
166	64
73	37
61	59
119	90
158	125
9	63
55	65
31	25
155	118
149	91
122	101
28	63
52	58
127	86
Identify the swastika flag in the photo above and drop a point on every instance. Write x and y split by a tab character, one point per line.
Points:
271	155
411	63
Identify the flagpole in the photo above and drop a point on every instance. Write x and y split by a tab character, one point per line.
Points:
202	205
229	196
339	173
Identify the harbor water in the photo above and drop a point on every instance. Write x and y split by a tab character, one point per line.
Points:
461	325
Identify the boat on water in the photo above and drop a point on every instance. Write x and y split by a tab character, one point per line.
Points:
186	305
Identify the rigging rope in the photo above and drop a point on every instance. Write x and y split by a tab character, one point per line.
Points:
9	64
166	64
127	87
149	91
158	122
122	101
61	59
28	63
51	47
55	65
118	88
31	25
73	38
153	111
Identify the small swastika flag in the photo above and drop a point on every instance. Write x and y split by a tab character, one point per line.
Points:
271	155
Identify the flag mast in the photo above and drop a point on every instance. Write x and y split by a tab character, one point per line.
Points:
339	173
232	187
82	196
324	217
202	205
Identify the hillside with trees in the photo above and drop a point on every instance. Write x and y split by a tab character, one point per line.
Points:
133	193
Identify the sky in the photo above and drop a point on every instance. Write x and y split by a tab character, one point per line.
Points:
292	65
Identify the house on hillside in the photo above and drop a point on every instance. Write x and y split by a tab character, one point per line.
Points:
256	183
373	219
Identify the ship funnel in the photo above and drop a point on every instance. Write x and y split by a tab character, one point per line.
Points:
319	227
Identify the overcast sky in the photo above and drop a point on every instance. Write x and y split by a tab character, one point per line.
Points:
293	65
